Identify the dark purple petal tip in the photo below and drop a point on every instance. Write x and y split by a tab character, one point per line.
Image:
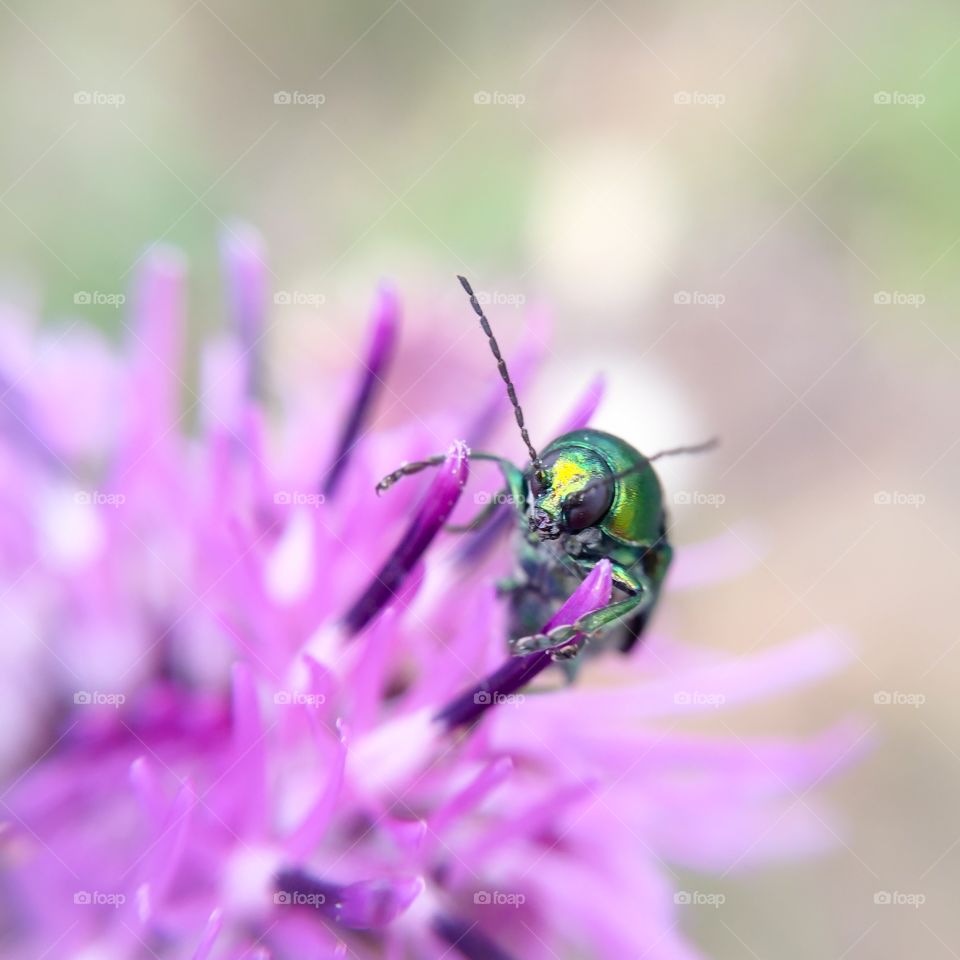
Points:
245	274
242	256
366	905
158	308
433	513
384	324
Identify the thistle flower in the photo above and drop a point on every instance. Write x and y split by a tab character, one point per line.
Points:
252	710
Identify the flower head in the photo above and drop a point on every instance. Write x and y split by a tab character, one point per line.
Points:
257	711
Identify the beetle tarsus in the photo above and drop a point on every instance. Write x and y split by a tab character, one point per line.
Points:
564	653
530	644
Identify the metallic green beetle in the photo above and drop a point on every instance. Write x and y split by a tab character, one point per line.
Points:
590	496
596	498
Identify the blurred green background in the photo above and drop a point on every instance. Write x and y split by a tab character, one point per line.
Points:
745	214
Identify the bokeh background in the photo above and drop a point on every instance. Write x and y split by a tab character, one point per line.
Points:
745	215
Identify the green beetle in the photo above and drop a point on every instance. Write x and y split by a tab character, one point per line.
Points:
590	496
596	498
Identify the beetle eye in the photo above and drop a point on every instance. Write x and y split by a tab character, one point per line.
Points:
587	508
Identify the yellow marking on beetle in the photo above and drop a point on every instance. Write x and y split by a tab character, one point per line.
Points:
565	474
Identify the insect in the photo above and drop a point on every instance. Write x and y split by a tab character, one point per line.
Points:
588	496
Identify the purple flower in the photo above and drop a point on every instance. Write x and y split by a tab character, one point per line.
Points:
253	710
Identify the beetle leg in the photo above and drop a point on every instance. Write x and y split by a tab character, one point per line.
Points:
513	495
513	476
641	591
482	518
558	640
530	644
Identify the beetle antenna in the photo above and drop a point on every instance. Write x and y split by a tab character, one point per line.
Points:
637	467
672	452
504	375
696	448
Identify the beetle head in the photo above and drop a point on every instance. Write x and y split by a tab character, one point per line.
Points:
574	492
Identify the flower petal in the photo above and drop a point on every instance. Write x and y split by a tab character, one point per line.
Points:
433	512
242	256
517	672
383	335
